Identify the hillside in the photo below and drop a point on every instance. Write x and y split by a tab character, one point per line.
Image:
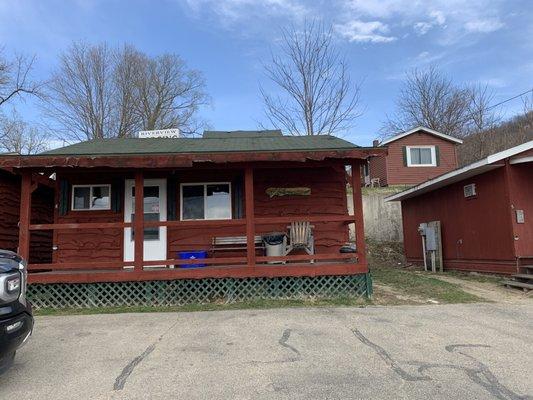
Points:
506	135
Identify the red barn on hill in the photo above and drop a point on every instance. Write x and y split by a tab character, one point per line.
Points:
485	210
413	157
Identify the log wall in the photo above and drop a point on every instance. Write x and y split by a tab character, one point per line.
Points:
42	212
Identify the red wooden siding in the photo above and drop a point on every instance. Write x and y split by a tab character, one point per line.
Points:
521	197
90	244
41	212
328	197
396	173
9	211
378	169
477	233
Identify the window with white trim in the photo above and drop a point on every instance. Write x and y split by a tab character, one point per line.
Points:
421	156
91	197
205	200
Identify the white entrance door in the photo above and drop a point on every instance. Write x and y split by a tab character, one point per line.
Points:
155	209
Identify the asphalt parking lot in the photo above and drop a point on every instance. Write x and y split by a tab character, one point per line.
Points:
476	351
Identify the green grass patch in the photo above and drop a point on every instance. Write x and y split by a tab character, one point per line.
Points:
249	305
422	285
385	190
475	277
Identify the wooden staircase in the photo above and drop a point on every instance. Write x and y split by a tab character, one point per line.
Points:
523	279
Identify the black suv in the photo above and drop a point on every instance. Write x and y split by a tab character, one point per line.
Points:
16	320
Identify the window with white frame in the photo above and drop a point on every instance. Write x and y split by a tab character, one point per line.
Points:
205	201
421	156
91	197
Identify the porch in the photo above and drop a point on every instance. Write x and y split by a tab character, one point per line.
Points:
82	253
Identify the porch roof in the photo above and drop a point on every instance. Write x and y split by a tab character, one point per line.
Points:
182	152
209	144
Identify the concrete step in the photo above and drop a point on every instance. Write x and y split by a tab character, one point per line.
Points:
522	285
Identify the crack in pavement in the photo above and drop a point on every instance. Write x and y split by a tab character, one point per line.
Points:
481	375
388	359
283	341
120	381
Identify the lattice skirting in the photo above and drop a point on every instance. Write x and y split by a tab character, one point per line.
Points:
196	291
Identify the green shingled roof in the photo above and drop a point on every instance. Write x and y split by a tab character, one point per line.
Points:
241	134
217	143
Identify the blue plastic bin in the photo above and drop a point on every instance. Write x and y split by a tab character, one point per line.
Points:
192	255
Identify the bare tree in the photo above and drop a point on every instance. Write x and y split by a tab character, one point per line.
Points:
17	136
428	98
167	94
128	62
15	78
431	99
99	92
80	92
318	96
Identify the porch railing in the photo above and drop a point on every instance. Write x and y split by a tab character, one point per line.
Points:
250	265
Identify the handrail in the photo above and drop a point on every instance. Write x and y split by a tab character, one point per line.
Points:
114	265
194	223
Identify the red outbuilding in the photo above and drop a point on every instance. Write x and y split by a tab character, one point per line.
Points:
485	211
412	158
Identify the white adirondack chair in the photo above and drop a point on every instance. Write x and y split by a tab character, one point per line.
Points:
301	237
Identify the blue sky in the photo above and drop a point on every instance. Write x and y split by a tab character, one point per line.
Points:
475	41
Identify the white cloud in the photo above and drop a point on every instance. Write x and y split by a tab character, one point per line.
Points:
421	28
230	11
360	31
455	18
438	17
484	25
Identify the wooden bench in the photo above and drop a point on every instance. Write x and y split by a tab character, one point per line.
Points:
229	243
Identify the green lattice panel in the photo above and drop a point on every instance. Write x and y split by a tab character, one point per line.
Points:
194	291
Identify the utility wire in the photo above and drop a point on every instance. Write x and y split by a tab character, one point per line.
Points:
509	99
496	105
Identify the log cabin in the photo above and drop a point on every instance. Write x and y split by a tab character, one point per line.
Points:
229	188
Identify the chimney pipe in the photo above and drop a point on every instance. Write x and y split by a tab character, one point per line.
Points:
375	143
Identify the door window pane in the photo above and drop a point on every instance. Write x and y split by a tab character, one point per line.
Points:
218	202
100	198
82	198
151	199
193	201
150	233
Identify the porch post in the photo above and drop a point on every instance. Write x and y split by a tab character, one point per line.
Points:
138	223
358	213
250	217
25	215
